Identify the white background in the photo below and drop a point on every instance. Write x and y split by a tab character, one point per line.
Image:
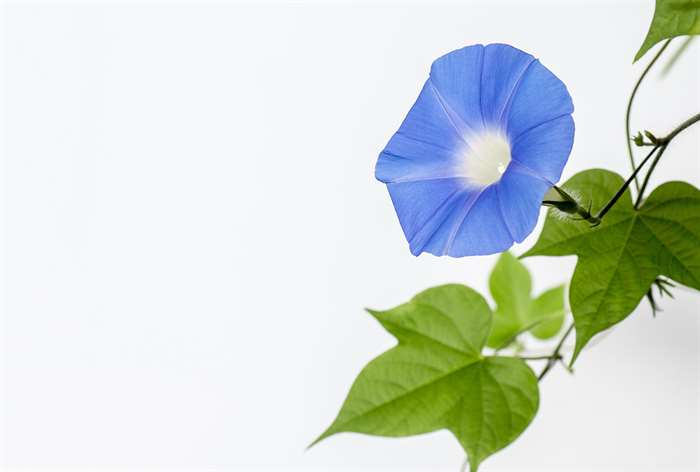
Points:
192	229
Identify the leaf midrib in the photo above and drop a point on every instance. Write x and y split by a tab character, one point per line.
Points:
668	248
586	234
638	218
433	381
621	252
476	352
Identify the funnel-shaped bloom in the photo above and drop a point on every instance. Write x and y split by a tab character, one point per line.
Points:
489	134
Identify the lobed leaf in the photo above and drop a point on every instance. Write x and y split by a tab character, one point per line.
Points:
620	259
547	313
510	285
436	378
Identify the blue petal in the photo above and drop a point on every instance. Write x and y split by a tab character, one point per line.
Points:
482	230
425	209
520	197
470	91
425	145
541	97
545	149
457	79
504	67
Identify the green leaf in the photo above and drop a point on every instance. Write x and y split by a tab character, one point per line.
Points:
671	18
436	378
547	313
516	312
510	286
620	259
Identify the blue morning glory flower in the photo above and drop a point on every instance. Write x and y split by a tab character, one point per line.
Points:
489	134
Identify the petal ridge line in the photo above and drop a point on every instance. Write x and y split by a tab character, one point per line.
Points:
418	231
516	87
422	141
460	221
450	113
481	86
503	216
530	128
521	168
412	179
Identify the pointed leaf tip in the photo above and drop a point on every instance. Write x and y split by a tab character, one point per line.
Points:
672	18
436	378
323	436
620	259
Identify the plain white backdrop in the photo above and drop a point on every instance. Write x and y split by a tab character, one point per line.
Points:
192	228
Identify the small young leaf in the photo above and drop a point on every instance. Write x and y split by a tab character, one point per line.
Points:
510	286
436	378
671	18
620	259
547	312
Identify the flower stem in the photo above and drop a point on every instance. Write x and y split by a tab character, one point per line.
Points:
627	183
541	358
659	144
683	126
555	354
664	142
640	194
629	107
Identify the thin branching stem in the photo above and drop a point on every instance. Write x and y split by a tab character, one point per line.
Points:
624	187
640	194
659	144
680	128
556	353
664	142
629	107
541	358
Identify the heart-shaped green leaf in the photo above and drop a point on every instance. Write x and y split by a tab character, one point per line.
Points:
620	259
436	378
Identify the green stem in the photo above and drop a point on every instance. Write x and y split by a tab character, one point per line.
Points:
658	143
683	126
627	183
629	107
664	142
640	194
541	358
555	354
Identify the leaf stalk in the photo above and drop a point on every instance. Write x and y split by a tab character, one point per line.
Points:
629	107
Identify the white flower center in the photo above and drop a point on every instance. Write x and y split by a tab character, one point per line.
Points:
486	158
